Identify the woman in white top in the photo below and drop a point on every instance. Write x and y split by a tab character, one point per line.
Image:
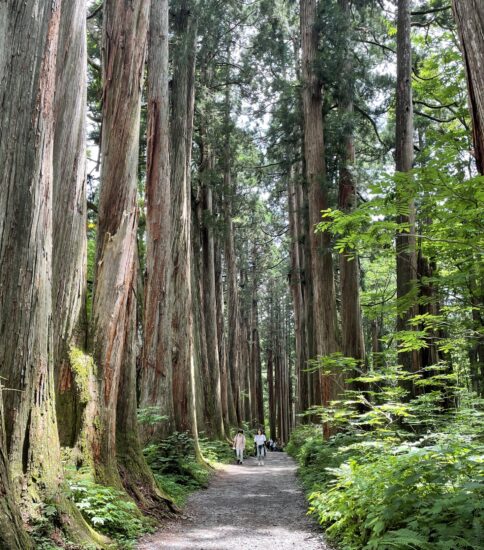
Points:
260	440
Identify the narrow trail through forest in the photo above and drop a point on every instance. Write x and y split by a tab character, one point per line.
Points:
245	507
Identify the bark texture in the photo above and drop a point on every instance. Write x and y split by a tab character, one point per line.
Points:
180	152
124	45
469	16
324	299
405	239
26	326
156	378
135	473
296	285
352	339
233	320
213	391
12	533
74	382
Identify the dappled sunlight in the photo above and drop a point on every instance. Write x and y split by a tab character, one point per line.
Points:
245	506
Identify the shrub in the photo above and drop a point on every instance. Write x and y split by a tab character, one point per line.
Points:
404	474
216	451
108	510
425	498
176	469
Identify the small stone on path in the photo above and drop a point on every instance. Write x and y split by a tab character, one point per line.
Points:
245	507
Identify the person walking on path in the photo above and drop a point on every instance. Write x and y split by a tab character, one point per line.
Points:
260	440
239	446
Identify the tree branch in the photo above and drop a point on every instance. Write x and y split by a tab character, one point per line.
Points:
95	12
373	123
431	10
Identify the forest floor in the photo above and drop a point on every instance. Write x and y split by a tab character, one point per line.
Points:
245	507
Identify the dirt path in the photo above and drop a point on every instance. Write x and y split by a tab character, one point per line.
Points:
245	507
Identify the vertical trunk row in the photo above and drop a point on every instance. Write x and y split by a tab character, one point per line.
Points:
156	377
405	239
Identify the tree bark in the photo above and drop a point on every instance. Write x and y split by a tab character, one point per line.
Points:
75	377
270	355
257	407
181	138
324	299
405	242
469	16
228	407
213	389
136	475
232	299
296	284
124	46
12	533
156	373
26	310
353	344
204	407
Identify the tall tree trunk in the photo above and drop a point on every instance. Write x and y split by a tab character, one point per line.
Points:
297	293
75	376
306	292
135	473
26	225
12	533
405	240
213	389
476	353
469	16
233	301
26	157
324	299
228	406
351	322
257	406
243	350
181	138
156	374
124	45
270	360
202	377
258	375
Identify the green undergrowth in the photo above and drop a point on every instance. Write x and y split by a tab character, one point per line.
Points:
401	482
175	466
108	510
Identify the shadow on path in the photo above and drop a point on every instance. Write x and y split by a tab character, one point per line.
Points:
245	507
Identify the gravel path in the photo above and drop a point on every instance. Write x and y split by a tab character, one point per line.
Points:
245	507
